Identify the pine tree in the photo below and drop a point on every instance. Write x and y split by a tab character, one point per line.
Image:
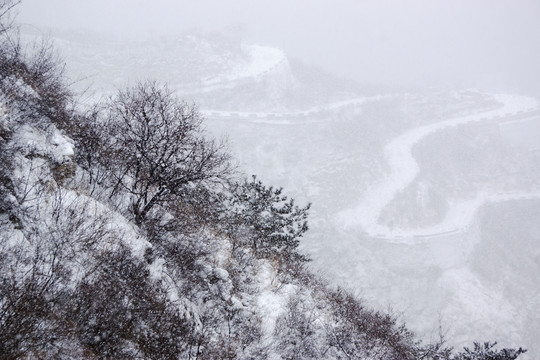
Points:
277	223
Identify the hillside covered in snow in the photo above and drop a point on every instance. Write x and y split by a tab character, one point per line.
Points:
128	232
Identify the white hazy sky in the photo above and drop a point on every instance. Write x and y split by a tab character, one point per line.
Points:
493	43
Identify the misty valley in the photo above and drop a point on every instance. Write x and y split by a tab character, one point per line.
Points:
326	140
424	206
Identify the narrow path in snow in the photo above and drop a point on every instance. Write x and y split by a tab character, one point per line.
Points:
284	118
404	169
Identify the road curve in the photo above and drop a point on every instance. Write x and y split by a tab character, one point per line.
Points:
291	117
404	169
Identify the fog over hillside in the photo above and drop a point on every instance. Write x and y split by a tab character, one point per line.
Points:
412	43
412	126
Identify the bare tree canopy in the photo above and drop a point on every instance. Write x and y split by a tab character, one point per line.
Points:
159	146
6	20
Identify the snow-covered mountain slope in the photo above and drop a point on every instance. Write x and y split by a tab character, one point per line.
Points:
215	71
258	62
329	163
82	277
333	159
341	148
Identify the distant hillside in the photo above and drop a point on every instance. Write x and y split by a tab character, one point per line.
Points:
213	69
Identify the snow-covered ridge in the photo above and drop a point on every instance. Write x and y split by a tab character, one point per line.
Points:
262	60
404	169
259	62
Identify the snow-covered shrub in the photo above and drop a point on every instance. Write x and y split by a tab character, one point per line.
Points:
119	311
487	351
298	331
33	80
357	332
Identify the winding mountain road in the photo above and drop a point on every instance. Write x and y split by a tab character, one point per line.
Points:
397	153
291	117
404	169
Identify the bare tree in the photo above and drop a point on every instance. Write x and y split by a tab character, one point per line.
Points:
6	20
159	146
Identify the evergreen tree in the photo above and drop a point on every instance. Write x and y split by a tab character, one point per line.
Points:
277	223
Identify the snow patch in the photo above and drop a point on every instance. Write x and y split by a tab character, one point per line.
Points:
273	298
51	143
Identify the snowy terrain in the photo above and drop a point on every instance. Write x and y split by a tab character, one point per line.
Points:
352	156
404	169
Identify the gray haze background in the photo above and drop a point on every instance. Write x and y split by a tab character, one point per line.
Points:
488	44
